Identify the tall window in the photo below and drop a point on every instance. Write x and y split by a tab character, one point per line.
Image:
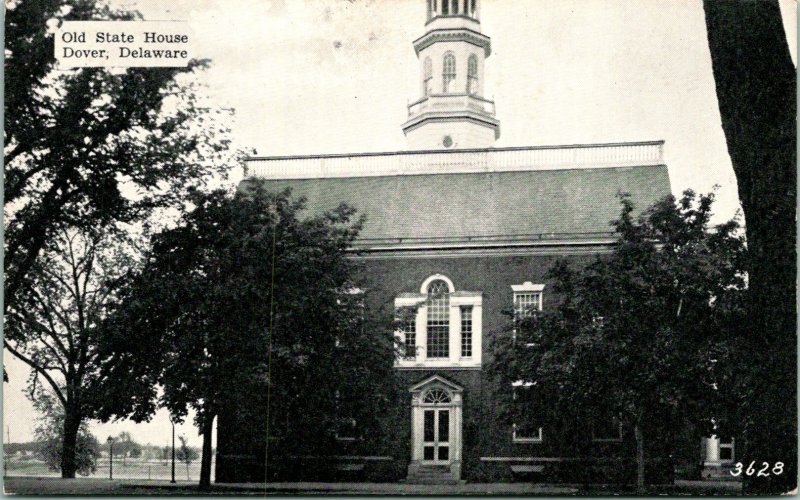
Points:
455	6
466	331
445	7
408	328
526	303
427	82
448	73
438	320
472	75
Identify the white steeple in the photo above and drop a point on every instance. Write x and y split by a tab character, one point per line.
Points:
452	112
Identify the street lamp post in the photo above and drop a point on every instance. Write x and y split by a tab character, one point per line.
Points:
110	442
173	451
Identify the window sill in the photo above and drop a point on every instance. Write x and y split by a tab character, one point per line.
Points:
438	363
526	440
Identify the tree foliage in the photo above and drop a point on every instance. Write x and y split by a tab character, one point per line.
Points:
125	446
250	305
88	152
644	334
73	284
49	436
756	89
91	147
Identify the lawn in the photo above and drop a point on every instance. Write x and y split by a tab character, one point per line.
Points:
131	469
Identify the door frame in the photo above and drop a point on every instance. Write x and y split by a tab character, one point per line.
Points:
418	407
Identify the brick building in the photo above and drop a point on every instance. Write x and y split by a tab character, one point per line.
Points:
467	231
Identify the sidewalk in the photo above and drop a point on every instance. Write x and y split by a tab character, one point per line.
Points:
405	489
95	486
140	487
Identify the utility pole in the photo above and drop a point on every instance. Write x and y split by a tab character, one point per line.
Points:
173	451
110	442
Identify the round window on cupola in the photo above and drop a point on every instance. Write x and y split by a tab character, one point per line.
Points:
447	141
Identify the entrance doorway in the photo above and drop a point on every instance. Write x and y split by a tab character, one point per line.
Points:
436	425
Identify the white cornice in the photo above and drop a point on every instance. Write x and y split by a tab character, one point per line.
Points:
527	287
454	35
480	252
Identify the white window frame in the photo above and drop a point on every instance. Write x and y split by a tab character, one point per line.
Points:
449	78
526	288
728	444
472	75
458	299
462	310
403	332
514	437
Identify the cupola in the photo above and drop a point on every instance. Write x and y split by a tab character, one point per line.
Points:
452	111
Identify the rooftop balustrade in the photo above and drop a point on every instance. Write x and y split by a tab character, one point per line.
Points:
457	161
451	102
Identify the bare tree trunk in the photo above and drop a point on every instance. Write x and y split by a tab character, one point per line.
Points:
755	82
69	448
205	459
637	431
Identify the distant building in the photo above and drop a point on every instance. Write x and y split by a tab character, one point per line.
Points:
466	231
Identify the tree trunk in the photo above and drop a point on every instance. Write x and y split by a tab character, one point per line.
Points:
205	459
755	82
69	448
637	431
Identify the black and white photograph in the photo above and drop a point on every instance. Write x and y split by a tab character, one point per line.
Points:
400	247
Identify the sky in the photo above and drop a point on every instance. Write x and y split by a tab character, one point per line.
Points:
335	76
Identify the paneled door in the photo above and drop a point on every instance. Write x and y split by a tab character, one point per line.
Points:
436	436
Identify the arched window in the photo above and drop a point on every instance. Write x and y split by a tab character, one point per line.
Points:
436	395
472	75
448	73
428	80
438	334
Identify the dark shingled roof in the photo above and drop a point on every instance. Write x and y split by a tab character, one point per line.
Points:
461	205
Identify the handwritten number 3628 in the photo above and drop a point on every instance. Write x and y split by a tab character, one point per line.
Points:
764	471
